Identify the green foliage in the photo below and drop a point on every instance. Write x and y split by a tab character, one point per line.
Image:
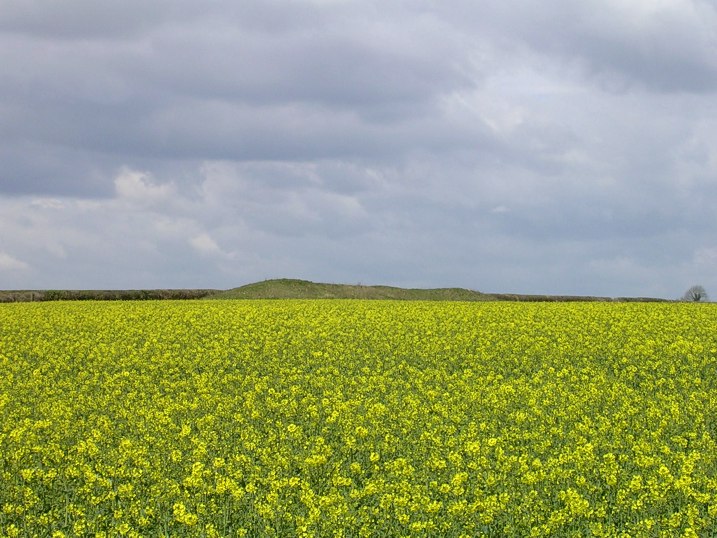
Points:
102	295
286	288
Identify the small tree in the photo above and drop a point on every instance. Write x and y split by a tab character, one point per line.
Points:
696	294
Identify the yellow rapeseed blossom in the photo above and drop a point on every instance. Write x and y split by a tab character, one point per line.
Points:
357	418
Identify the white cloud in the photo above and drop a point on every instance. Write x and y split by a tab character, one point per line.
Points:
499	209
48	203
136	185
10	263
205	244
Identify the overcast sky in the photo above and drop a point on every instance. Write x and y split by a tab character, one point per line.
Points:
504	146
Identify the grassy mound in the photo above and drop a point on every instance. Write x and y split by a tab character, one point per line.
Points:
286	288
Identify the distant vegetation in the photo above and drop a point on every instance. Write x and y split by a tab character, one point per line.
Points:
287	288
100	295
303	289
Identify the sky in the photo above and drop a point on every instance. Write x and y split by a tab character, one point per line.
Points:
518	146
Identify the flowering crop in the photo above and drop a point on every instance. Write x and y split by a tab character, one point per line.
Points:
357	418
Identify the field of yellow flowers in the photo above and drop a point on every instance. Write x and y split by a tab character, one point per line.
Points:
358	418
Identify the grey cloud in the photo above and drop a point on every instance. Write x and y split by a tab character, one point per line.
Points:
42	168
329	67
555	147
667	46
176	87
295	202
89	19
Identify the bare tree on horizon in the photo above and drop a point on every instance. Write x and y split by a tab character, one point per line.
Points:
696	294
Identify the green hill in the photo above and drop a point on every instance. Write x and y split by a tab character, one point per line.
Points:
287	288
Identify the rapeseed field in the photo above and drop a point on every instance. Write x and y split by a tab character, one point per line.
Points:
358	419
